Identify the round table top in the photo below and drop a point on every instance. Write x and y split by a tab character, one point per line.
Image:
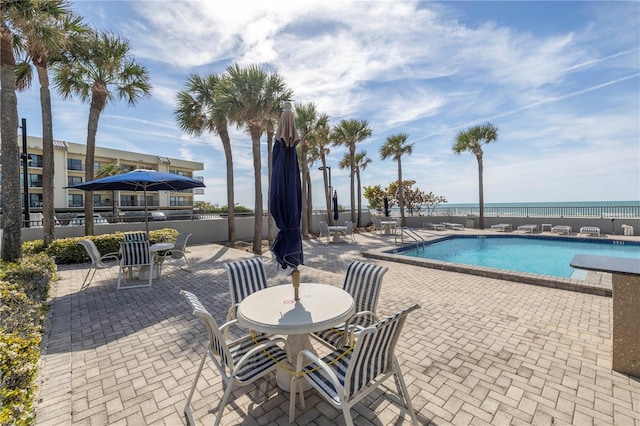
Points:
161	246
273	310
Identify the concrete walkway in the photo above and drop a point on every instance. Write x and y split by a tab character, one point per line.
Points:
480	351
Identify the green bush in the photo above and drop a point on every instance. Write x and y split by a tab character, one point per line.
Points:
68	250
24	287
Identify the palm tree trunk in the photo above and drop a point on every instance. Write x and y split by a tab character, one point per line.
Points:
401	193
327	196
12	228
358	224
271	225
304	166
231	215
309	208
481	193
352	161
97	103
257	232
47	157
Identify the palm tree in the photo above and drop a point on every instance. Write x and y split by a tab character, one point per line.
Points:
198	112
110	170
361	162
395	147
11	12
46	33
319	147
306	119
348	133
248	96
99	70
471	140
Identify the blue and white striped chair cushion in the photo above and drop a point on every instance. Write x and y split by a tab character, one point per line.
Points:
245	277
257	363
363	281
135	236
135	253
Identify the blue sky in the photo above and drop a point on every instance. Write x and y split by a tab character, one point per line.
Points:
561	81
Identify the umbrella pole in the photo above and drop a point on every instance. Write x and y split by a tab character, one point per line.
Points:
146	211
295	278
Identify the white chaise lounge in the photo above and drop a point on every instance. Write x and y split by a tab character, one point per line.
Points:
560	229
502	227
590	230
453	226
528	228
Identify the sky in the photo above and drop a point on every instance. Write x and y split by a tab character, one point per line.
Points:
560	80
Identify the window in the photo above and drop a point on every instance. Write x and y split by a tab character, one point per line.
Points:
127	168
127	200
178	172
74	164
76	200
35	200
35	181
73	180
177	201
35	160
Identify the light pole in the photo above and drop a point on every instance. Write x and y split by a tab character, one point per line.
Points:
25	174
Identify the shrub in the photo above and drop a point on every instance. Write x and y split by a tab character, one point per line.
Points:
24	286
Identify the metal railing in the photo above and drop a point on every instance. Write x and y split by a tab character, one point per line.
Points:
551	211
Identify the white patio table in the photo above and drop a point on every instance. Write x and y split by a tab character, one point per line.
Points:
274	311
339	233
388	225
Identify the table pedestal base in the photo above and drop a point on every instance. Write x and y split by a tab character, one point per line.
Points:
295	344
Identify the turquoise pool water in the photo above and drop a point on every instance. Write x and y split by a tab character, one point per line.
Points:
545	256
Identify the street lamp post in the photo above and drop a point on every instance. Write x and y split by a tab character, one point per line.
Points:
25	174
328	194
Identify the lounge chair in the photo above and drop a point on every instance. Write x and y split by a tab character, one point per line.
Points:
590	230
434	226
453	226
559	229
502	227
528	228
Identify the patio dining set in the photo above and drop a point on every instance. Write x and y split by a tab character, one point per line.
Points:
276	332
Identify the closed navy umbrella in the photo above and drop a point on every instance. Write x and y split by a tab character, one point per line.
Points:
141	180
335	205
285	197
386	206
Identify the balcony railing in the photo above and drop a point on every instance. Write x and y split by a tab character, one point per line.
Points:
552	211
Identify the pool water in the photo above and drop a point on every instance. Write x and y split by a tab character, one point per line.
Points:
545	256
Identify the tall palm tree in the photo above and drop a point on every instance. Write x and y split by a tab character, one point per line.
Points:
472	140
198	112
99	70
306	119
395	147
46	33
11	12
361	162
110	170
319	147
247	97
348	133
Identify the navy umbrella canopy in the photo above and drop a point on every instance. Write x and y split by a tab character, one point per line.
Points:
141	180
285	197
335	205
386	206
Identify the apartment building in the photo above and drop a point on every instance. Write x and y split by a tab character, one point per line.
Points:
70	169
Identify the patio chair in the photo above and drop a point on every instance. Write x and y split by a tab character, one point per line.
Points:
348	234
560	229
501	227
135	236
347	375
528	228
97	261
245	277
239	362
135	253
324	230
377	224
178	252
363	282
590	230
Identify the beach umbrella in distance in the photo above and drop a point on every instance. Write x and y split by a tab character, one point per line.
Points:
141	180
285	197
335	205
386	206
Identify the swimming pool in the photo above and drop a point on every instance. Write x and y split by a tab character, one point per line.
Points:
545	256
537	260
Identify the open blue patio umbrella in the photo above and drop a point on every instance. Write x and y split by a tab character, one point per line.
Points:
335	205
141	180
386	206
285	197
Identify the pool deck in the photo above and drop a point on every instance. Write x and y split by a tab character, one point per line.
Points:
481	350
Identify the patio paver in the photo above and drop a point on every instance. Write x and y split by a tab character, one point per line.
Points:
480	351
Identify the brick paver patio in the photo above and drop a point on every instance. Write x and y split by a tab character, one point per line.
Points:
480	351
